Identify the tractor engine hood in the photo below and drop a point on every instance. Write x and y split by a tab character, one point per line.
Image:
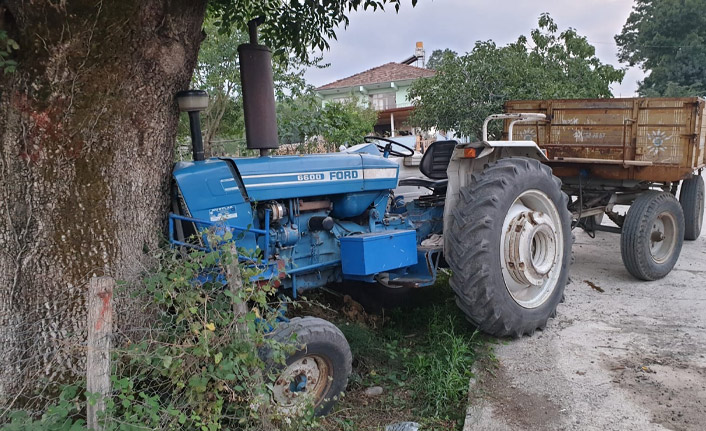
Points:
282	177
211	190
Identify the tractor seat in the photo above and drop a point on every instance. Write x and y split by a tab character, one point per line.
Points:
433	165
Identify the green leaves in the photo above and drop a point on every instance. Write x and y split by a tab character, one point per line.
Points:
296	26
668	40
7	45
468	88
303	121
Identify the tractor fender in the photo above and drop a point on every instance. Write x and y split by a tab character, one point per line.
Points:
503	149
461	167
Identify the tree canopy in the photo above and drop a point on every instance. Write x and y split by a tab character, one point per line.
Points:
438	56
666	38
468	88
304	120
298	25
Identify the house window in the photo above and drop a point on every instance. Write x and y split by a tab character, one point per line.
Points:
382	101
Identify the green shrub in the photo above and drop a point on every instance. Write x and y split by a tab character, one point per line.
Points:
202	364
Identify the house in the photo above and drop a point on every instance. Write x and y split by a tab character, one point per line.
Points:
384	88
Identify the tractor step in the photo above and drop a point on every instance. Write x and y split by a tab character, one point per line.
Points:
424	272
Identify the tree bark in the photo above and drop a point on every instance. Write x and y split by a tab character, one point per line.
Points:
87	126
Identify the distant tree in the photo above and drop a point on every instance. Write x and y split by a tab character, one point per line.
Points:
667	39
468	88
438	56
304	121
346	123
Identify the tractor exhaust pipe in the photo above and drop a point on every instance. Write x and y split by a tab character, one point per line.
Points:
258	93
193	102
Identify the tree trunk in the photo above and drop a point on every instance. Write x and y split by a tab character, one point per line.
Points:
87	125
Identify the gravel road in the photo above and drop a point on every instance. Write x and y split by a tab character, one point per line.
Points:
621	355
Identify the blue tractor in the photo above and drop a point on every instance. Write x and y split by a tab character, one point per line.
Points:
495	215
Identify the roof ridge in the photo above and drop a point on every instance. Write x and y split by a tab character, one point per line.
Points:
391	64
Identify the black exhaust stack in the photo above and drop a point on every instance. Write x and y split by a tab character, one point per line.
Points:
193	102
258	93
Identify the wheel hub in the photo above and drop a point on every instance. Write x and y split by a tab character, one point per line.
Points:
530	247
303	379
663	237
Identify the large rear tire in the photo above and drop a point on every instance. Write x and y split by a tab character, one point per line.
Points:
509	246
318	370
652	236
691	198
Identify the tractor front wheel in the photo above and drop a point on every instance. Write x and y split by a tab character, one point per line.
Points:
509	246
316	372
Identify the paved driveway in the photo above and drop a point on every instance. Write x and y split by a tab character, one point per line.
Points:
621	355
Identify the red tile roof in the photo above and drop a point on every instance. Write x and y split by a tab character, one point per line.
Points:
386	73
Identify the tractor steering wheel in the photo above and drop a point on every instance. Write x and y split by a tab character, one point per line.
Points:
388	149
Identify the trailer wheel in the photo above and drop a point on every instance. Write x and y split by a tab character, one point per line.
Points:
691	199
318	370
652	235
509	246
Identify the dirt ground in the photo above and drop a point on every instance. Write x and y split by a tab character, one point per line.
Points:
621	355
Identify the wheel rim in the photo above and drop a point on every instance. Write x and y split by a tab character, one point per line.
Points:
304	381
663	238
531	248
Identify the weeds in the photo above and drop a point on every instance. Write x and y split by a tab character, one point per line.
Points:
206	361
421	356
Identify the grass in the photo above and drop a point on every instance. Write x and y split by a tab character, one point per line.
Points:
421	356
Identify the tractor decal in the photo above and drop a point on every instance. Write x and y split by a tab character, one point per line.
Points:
340	175
223	213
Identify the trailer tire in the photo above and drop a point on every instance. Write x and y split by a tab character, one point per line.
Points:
477	245
651	215
322	354
691	198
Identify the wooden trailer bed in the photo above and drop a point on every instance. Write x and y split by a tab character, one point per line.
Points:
646	139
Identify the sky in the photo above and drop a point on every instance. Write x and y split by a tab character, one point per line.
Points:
376	38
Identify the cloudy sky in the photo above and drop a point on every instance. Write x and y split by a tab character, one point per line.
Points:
375	38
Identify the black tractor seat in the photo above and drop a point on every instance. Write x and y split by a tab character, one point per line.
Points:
433	165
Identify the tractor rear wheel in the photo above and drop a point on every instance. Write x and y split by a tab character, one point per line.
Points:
509	246
691	198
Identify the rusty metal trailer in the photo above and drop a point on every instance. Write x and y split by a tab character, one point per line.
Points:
641	152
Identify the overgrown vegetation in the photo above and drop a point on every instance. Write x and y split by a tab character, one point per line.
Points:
421	355
204	365
547	65
205	362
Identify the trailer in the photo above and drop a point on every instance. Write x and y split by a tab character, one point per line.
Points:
639	152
